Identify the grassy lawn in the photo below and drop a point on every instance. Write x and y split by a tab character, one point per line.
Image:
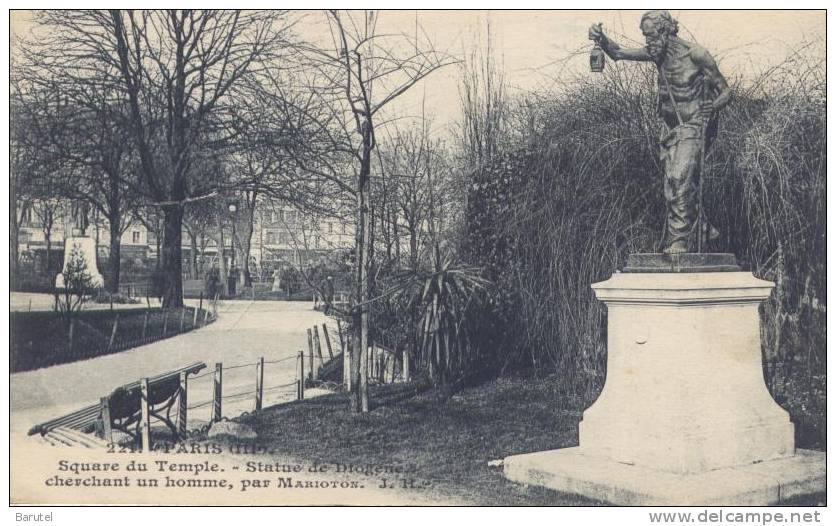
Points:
448	439
41	339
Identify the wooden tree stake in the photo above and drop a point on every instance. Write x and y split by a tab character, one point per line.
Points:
317	345
313	372
327	341
113	333
300	377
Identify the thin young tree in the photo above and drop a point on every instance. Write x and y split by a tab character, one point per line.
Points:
357	76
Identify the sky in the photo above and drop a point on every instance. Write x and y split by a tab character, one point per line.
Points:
533	46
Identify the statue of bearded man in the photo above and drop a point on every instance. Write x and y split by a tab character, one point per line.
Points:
692	91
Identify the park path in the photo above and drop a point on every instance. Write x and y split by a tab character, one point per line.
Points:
245	331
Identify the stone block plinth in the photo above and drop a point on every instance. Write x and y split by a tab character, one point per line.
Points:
86	246
684	401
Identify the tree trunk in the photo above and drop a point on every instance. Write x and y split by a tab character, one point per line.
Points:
113	262
48	240
354	364
360	397
172	260
219	241
247	246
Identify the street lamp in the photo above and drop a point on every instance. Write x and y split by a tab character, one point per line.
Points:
232	209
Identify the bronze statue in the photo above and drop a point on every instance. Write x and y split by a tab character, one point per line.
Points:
692	91
80	209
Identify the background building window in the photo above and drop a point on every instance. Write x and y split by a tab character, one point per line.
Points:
136	237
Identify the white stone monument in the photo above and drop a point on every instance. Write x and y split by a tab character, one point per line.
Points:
684	417
84	245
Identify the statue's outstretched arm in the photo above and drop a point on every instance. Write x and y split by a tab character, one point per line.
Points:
613	50
616	52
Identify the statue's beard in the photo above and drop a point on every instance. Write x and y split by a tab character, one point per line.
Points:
656	48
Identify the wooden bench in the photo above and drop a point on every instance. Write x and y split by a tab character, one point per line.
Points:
64	436
124	407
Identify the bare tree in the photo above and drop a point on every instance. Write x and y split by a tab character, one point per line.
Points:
484	102
48	210
31	161
356	78
93	148
416	169
178	71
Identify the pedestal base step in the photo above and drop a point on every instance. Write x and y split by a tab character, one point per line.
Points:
569	470
687	262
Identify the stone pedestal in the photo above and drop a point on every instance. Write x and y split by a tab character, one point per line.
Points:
87	247
684	416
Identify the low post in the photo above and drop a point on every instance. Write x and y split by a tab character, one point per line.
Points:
183	405
317	346
215	306
144	325
113	333
347	370
300	378
165	322
327	341
194	320
106	429
205	316
340	334
182	317
216	398
70	337
259	383
313	372
405	366
364	377
145	423
199	307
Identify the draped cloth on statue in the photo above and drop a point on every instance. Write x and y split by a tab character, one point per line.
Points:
681	155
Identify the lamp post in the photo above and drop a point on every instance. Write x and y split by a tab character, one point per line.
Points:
232	209
232	277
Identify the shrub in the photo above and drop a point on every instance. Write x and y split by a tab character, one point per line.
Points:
563	210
